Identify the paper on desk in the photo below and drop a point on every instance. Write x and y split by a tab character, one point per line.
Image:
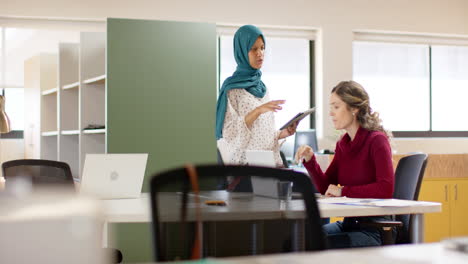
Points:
369	202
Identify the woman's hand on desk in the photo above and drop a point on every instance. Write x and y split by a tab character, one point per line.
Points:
305	153
289	131
333	191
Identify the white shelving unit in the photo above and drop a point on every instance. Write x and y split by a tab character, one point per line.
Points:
71	86
50	91
94	131
68	105
96	80
72	99
92	93
70	132
49	113
40	78
49	133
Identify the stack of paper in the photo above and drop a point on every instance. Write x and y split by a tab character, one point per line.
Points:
369	202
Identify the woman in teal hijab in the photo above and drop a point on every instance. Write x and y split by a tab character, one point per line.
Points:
244	113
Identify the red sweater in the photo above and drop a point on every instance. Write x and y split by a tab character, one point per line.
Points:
363	166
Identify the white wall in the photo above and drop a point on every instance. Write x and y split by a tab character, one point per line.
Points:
336	19
11	149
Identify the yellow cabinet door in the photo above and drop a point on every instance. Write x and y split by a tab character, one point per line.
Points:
436	225
459	208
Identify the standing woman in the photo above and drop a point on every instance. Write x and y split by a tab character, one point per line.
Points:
362	165
244	112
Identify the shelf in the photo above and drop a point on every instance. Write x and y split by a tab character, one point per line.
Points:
70	132
50	91
49	133
96	80
71	85
95	131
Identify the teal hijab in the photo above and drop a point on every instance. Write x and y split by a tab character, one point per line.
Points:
245	77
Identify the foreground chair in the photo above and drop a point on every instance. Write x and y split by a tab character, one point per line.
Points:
181	180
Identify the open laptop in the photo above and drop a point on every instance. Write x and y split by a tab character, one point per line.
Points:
261	186
113	176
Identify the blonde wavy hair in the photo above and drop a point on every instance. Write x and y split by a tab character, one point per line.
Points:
355	96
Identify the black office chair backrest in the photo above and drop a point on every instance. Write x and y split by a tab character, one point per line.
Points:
178	180
409	174
220	158
284	160
40	172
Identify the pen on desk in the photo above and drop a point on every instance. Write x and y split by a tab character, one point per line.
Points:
201	196
208	202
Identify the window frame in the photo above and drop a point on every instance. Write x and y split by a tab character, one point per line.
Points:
416	38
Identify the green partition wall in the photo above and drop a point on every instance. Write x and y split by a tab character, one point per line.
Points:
161	100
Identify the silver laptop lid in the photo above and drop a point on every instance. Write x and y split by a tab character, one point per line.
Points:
267	187
265	158
113	176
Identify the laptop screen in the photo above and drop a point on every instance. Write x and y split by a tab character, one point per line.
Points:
263	158
111	176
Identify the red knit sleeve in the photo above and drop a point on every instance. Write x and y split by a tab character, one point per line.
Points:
320	179
381	157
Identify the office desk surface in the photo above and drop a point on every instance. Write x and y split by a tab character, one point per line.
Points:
401	254
244	206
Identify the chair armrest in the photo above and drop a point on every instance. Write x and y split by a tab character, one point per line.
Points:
385	225
382	223
385	229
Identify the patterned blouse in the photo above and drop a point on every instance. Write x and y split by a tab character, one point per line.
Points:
237	137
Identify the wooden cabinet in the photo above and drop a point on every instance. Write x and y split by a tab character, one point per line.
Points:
459	208
452	221
436	225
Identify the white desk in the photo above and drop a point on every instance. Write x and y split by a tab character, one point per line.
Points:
400	254
242	206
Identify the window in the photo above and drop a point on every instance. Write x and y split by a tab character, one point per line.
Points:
449	88
14	106
418	89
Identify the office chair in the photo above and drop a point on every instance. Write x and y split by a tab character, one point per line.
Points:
40	172
284	160
220	158
179	180
409	174
50	173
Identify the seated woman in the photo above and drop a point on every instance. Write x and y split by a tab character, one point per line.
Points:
362	165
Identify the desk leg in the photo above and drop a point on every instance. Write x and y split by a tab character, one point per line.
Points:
256	237
297	236
417	234
105	235
209	240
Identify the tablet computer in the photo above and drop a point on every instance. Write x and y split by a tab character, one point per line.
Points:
298	117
